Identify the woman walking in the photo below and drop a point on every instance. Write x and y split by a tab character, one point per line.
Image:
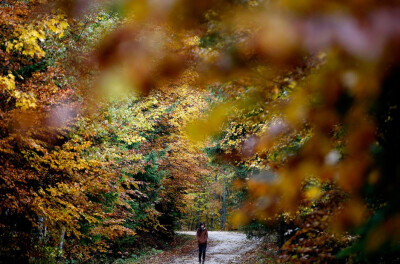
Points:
202	236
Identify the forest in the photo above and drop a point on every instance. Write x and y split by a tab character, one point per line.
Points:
125	121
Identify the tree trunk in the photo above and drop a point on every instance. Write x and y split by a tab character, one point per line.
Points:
207	219
189	221
41	230
197	218
212	217
213	204
62	238
223	209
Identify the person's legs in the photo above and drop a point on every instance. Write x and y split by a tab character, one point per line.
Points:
204	252
200	251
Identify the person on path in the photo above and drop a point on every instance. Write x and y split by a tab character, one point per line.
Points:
202	236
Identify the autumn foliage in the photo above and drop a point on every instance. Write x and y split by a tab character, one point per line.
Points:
121	121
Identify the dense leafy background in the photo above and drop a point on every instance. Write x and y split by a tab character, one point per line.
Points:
123	121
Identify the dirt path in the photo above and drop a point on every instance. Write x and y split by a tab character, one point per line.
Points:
223	248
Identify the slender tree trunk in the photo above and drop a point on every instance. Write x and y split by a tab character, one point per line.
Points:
62	238
223	209
197	217
213	204
40	228
45	234
193	221
189	221
212	219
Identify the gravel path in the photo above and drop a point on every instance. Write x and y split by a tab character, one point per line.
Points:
223	247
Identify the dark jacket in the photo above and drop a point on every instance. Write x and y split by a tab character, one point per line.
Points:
202	236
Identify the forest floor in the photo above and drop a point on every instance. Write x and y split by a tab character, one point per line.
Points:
223	248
